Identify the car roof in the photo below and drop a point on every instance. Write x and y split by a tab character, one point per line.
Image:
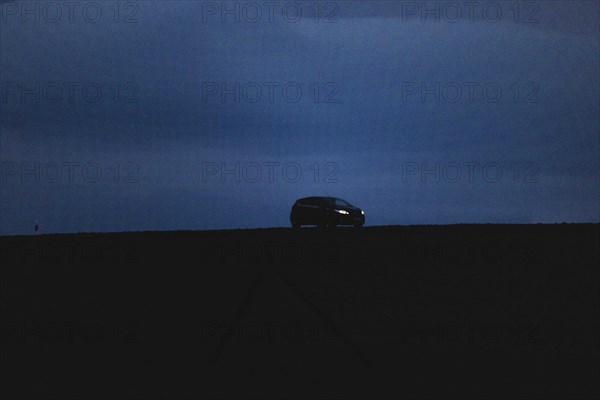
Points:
318	197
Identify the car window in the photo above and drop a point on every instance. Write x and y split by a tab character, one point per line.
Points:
327	201
324	202
342	203
307	202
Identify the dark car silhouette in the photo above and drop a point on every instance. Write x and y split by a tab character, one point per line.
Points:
325	212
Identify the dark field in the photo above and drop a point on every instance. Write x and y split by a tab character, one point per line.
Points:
463	311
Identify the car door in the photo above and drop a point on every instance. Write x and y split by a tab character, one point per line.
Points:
303	211
321	211
311	210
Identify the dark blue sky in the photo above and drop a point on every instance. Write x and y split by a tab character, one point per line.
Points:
123	124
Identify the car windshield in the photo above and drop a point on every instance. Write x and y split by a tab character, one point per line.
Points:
340	203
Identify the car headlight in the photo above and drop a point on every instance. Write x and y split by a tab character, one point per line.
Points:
342	212
362	212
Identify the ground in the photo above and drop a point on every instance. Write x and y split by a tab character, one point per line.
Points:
461	311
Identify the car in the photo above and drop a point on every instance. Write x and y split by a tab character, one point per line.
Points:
325	212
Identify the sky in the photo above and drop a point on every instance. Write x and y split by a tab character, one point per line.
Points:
184	115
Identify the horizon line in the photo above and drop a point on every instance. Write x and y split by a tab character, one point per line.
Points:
292	229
